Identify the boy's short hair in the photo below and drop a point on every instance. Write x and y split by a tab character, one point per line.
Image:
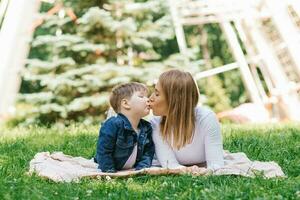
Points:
123	91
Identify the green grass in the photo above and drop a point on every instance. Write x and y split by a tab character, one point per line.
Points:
280	143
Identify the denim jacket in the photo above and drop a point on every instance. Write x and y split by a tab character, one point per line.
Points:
116	141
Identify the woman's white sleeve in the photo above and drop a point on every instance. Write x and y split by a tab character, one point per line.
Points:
164	152
212	141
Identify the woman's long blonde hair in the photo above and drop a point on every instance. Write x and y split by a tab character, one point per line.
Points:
182	94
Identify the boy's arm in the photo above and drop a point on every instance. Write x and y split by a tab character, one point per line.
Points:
105	147
148	153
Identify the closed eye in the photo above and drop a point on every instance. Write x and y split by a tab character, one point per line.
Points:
156	92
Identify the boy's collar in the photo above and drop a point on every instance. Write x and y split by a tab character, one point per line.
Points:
127	124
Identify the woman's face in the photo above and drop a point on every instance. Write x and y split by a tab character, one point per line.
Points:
158	102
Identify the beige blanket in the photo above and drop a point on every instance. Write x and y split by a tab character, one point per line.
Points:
64	168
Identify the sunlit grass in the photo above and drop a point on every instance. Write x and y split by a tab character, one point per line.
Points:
279	143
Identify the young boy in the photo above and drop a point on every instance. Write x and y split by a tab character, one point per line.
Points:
125	140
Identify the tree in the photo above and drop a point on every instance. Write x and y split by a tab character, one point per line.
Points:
85	48
74	63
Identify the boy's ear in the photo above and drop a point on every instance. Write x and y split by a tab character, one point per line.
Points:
125	104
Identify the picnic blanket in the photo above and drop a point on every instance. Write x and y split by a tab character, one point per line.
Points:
59	167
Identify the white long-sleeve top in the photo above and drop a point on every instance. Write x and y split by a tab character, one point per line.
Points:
206	145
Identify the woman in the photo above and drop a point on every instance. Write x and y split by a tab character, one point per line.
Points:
184	134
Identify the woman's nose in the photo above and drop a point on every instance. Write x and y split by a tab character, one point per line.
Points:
151	97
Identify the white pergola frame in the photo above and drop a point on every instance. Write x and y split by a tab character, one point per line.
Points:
15	35
246	17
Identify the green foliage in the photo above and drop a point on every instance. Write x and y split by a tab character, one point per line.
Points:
228	89
264	143
73	65
215	94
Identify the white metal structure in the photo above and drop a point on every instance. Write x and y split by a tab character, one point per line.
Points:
270	32
15	34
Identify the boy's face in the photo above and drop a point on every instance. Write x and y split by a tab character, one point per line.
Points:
139	103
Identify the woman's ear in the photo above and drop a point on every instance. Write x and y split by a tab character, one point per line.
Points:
125	104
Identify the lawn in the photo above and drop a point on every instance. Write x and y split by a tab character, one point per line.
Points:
280	143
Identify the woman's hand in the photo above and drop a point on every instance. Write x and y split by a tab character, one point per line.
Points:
195	170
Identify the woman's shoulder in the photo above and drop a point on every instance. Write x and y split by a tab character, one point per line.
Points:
202	112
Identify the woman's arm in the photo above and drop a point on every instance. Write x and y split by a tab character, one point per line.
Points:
164	152
212	141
